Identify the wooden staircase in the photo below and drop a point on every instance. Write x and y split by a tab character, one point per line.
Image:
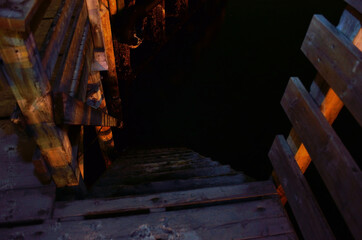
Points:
169	193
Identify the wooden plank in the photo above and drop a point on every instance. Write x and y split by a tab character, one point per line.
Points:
110	81
15	15
306	210
8	102
93	207
357	4
69	110
26	205
178	174
23	71
233	221
55	36
16	151
96	25
63	82
100	61
333	161
166	186
338	60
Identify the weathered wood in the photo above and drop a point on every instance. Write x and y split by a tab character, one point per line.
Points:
96	25
333	161
8	102
112	7
26	205
166	186
337	59
23	71
177	174
300	197
357	4
100	61
16	152
17	15
69	110
64	80
110	82
95	99
86	208
234	221
53	42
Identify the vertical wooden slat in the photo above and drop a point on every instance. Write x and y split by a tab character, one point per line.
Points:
28	82
305	208
333	161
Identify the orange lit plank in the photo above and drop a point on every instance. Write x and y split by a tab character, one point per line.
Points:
26	205
95	21
338	60
357	4
17	15
333	161
112	7
300	197
69	110
54	39
23	71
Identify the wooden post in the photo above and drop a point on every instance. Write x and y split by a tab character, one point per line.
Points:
23	70
95	99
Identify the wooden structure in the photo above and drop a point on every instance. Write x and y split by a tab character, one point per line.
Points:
171	193
336	54
58	66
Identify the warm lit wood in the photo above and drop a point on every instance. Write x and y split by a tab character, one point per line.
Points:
338	61
50	49
334	163
112	7
300	197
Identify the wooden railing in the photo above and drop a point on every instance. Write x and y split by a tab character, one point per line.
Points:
50	62
336	53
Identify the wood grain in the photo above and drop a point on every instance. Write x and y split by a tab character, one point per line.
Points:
306	210
333	161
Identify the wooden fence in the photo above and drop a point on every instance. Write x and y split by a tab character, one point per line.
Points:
336	53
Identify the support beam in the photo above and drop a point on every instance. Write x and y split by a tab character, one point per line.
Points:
26	77
70	111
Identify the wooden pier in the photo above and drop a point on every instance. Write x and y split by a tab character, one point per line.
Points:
61	62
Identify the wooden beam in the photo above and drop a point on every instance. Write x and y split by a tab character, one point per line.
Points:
69	110
96	25
87	208
338	60
15	15
110	83
340	173
357	4
112	7
53	41
64	79
23	71
309	216
26	205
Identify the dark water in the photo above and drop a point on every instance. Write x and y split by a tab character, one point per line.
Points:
216	87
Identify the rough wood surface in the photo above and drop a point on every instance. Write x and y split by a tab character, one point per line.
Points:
306	210
96	25
166	186
233	221
23	70
338	60
26	205
64	81
86	208
53	42
69	110
8	102
17	15
340	173
17	170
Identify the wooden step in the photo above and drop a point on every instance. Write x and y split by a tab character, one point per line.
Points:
162	176
165	186
245	220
